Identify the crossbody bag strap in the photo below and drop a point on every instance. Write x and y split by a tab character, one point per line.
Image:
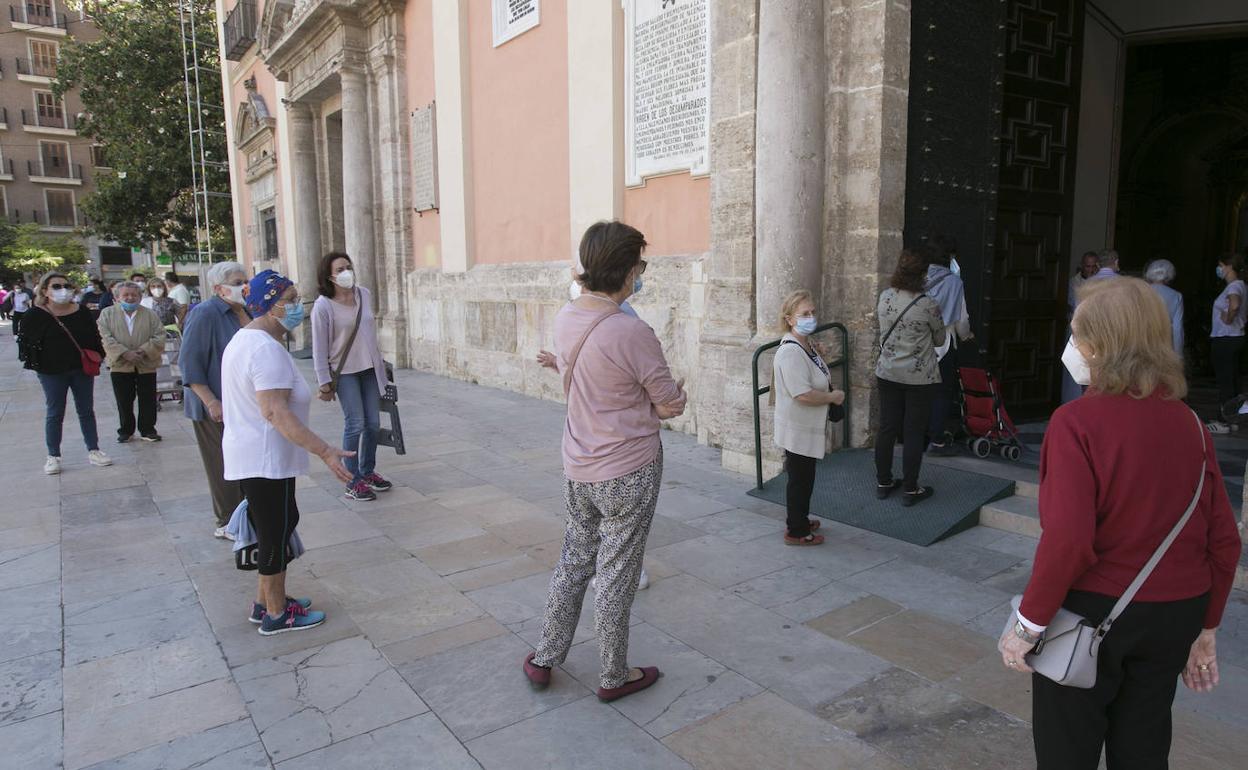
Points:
64	328
1136	584
900	316
359	315
576	350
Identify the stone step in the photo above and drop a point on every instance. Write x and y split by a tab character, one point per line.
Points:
1020	514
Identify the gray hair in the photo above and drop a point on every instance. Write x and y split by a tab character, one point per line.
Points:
1107	258
126	285
221	271
1159	271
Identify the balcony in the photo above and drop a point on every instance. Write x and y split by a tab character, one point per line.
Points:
37	18
42	122
42	172
4	118
6	170
54	220
240	30
35	70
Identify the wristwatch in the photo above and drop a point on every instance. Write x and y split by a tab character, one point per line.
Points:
1025	633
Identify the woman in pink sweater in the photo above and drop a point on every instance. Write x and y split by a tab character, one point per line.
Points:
619	390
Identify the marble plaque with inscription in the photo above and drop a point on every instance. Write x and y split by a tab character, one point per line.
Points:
515	17
667	87
424	159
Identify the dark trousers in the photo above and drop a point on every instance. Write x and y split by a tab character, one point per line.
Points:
274	514
127	387
17	323
904	413
56	390
943	395
801	470
1128	710
1224	351
226	495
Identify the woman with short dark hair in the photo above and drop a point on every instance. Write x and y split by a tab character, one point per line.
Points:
619	391
349	367
1118	471
911	328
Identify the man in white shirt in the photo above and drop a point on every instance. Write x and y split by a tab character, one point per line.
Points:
177	291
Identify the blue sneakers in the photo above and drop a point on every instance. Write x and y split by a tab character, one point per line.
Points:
257	609
295	618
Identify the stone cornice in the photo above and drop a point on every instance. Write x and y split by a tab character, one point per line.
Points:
310	20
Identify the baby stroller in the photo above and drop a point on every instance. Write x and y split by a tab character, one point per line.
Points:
984	418
169	376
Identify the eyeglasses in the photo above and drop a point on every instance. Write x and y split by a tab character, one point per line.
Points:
643	265
59	286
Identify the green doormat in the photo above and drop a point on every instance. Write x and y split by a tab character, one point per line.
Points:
845	492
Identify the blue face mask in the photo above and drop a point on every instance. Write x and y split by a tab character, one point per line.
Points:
129	307
806	325
294	316
1221	271
637	285
954	267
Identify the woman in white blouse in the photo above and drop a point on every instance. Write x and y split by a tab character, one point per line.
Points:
803	392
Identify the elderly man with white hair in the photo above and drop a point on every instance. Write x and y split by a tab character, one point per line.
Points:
1159	274
208	328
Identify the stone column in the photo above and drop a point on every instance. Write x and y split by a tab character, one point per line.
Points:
789	177
307	209
357	178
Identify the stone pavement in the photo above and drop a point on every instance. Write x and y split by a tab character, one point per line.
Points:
126	642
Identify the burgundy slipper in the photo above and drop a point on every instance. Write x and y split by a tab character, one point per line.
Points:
539	677
649	675
814	524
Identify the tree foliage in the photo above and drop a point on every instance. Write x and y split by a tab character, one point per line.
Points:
131	84
25	249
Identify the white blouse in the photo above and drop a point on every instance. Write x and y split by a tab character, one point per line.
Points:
799	428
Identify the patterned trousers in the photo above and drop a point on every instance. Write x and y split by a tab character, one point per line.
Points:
608	522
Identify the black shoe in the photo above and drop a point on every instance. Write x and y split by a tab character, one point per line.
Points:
918	495
151	437
943	450
884	490
124	439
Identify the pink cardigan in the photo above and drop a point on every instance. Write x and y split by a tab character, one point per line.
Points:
612	428
323	335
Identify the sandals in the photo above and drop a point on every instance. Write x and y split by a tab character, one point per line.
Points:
811	539
813	524
918	495
539	676
649	675
884	490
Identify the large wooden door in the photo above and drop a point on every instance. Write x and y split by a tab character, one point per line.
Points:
954	116
1026	304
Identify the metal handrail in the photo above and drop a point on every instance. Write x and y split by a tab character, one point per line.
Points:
842	363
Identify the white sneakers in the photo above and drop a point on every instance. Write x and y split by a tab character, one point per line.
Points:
52	466
642	583
221	534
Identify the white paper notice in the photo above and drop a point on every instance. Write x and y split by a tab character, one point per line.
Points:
667	87
514	17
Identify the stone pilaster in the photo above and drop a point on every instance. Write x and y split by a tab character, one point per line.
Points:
868	49
357	178
307	210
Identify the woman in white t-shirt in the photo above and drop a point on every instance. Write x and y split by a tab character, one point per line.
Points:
266	443
1230	310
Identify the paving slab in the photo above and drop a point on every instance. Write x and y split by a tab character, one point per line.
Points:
29	565
582	734
421	741
143	673
30	687
310	699
425	645
33	744
230	746
717	561
736	525
39	607
481	687
473	552
930	590
932	648
766	731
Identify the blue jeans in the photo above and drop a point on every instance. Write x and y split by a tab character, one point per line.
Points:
56	388
361	405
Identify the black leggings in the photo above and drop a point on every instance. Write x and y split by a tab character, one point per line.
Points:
801	470
1224	352
274	514
904	413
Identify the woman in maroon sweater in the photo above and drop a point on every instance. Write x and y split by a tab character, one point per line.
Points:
1118	468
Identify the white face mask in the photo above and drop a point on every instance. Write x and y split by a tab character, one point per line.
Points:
233	294
158	291
345	279
61	296
1076	364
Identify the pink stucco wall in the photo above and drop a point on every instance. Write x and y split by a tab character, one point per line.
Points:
266	86
418	32
518	94
674	212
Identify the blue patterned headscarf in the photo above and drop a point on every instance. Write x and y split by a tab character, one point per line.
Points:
265	290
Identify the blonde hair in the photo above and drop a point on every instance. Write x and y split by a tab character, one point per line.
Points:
789	306
1122	326
41	298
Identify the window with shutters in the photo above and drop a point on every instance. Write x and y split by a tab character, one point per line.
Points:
60	208
43	57
49	110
